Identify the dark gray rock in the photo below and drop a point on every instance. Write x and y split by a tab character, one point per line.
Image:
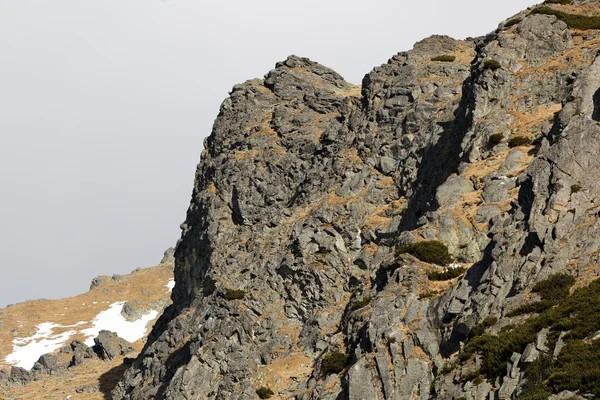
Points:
108	345
169	256
20	375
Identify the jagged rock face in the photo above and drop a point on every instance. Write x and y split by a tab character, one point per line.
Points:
308	183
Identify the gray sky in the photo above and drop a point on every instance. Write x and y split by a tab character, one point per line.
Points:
104	106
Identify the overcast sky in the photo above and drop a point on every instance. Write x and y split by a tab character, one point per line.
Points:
104	106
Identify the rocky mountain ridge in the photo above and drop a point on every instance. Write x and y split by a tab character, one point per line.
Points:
431	234
296	271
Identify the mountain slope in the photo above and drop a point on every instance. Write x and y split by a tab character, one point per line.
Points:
310	263
125	304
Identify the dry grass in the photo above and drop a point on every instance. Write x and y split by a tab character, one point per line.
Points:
144	287
524	122
282	373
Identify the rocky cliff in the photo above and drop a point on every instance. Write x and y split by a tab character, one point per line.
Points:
373	242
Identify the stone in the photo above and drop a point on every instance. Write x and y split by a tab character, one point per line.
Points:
530	354
168	256
108	345
20	375
452	189
511	163
97	281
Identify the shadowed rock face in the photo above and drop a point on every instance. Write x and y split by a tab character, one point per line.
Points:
308	183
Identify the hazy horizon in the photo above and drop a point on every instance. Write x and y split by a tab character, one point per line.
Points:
105	106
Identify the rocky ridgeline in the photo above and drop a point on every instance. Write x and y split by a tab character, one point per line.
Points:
308	185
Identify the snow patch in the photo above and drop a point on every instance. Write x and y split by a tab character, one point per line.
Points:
26	351
170	284
112	320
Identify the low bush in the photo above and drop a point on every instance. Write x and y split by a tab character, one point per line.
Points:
365	301
264	392
512	21
234	294
447	368
575	21
431	251
519	141
429	294
576	368
555	288
444	58
334	362
558	1
575	188
531	308
491	64
446	274
495	139
469	376
479	329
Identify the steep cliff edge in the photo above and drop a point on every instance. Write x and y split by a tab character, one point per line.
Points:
288	275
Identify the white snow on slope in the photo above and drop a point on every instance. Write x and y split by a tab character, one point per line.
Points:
26	351
112	320
170	284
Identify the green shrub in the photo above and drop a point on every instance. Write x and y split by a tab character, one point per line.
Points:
491	64
519	141
479	329
447	368
429	294
575	21
532	308
264	392
558	1
361	303
511	22
495	139
555	288
444	58
575	188
446	274
469	376
576	367
234	294
432	251
334	362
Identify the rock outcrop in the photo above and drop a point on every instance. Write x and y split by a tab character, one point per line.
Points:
308	184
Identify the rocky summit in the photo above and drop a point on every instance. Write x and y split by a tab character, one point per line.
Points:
431	234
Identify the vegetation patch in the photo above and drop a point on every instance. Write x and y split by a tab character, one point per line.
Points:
334	363
519	141
512	21
479	329
574	21
444	58
446	274
365	301
495	139
576	368
558	1
264	392
430	251
429	294
234	294
491	64
575	188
